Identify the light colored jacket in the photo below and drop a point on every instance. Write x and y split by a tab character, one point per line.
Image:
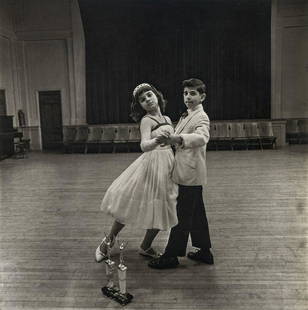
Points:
190	157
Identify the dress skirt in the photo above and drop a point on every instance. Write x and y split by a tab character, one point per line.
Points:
144	194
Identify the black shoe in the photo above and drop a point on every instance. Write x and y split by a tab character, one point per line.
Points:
204	256
164	262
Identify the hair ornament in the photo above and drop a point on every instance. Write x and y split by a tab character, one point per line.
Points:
139	87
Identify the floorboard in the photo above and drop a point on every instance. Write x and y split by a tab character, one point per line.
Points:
50	225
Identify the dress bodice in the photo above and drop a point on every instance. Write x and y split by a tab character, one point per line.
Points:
164	127
160	128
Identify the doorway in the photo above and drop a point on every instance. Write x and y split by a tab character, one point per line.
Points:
51	119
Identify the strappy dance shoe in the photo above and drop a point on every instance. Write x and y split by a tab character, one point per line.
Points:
150	252
101	251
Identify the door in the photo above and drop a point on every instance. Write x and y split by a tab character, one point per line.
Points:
51	119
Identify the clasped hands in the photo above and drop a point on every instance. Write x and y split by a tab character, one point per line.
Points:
166	138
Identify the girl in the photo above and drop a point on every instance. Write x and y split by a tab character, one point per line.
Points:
144	194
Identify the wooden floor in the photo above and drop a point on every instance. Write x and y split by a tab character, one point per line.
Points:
51	224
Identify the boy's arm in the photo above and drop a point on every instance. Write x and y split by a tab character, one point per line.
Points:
199	137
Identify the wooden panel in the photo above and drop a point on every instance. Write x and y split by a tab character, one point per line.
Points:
43	15
52	57
295	72
6	73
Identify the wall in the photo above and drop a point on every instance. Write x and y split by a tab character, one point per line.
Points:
79	61
42	48
7	60
289	59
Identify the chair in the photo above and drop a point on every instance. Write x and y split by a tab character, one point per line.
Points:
69	134
266	134
237	134
81	137
107	136
212	144
303	130
94	136
223	135
134	135
21	146
292	131
252	135
121	137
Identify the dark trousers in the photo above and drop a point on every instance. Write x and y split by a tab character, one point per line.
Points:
192	220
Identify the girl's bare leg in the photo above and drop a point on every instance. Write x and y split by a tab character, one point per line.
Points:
114	231
148	238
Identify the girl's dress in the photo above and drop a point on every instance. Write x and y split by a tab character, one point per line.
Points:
144	194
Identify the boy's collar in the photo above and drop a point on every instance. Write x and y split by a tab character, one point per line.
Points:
196	108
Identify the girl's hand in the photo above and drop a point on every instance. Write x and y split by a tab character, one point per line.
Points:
166	133
162	139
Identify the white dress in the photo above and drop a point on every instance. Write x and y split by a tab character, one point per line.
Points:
144	194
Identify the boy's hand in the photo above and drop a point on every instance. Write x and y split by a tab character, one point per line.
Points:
174	139
163	138
170	140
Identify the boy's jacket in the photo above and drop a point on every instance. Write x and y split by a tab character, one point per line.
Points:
190	158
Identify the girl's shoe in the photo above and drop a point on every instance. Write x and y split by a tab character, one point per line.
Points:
101	251
150	252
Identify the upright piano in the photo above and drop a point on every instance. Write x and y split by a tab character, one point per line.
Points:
7	134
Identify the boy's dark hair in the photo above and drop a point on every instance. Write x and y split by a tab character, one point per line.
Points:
137	112
195	83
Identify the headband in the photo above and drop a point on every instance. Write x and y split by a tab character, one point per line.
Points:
139	87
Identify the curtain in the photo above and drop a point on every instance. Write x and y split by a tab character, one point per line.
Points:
226	43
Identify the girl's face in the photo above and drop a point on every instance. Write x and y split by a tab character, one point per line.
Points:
148	101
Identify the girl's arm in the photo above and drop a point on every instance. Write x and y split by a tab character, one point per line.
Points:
147	143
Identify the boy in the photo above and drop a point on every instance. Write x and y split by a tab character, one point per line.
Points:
190	138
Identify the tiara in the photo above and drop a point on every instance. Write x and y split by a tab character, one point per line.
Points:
139	87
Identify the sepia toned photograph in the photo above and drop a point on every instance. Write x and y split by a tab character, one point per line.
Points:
154	154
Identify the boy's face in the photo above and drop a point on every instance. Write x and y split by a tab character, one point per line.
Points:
192	97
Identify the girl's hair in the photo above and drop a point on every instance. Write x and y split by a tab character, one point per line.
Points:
137	112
